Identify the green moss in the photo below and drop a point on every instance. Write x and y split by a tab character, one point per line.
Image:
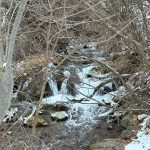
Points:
40	122
100	69
91	147
96	69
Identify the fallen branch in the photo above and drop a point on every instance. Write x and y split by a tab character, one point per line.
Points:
107	81
113	71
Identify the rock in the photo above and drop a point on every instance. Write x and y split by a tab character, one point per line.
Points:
85	46
107	89
147	123
89	75
106	144
71	88
104	90
32	88
72	81
40	122
59	116
9	132
60	106
128	134
141	117
101	69
129	120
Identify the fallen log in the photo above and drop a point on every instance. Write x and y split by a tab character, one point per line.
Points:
108	81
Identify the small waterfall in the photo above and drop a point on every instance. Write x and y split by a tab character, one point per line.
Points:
64	87
53	85
63	90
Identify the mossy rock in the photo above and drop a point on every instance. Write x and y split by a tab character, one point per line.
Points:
100	69
91	147
40	122
96	68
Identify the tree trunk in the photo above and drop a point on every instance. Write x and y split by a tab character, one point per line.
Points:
6	89
6	74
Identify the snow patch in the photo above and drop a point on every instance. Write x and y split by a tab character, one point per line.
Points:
143	138
9	114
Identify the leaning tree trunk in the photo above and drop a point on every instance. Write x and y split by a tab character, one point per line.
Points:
6	86
6	74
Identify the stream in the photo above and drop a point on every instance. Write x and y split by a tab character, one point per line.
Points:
84	111
84	123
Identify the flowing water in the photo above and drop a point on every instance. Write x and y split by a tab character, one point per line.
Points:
83	109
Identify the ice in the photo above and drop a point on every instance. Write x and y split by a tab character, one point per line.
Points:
83	108
84	111
53	85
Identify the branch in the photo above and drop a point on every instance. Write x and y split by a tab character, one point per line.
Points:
105	82
113	71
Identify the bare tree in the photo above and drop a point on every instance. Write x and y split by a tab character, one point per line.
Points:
6	74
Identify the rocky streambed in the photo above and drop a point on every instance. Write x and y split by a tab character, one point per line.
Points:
77	114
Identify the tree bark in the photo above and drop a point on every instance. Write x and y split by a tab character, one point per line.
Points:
6	88
6	74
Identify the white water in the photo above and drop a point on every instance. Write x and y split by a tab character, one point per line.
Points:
63	90
85	111
53	85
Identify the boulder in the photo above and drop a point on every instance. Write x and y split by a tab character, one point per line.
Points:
59	116
129	120
60	106
128	134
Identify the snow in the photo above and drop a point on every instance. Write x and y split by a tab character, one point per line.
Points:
105	113
9	114
143	138
31	115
